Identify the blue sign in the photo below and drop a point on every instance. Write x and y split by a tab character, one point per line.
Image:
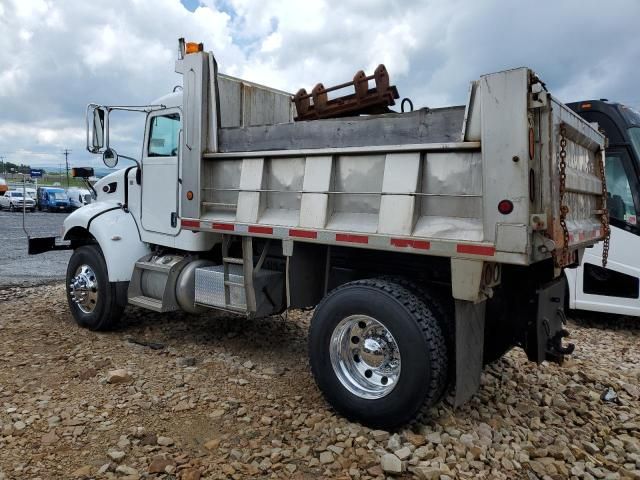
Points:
36	173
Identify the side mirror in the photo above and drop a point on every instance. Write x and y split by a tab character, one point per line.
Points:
96	129
110	158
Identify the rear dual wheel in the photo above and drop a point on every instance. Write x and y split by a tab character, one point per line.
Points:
378	353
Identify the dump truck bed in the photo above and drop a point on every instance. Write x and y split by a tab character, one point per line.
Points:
428	182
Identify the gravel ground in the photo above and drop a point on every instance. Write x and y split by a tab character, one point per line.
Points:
16	266
224	397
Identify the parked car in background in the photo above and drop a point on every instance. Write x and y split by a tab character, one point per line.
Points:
31	193
78	197
13	200
53	199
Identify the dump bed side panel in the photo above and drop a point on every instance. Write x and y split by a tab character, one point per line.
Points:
244	104
429	191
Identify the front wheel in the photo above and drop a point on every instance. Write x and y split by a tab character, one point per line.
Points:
93	300
12	208
377	352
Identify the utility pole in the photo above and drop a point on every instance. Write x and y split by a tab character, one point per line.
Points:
66	161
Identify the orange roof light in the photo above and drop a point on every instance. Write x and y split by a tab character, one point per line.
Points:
193	47
586	105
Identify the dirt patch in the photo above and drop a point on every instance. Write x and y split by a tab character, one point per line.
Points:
223	397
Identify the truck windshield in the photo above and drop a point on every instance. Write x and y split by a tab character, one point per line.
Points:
631	115
634	134
59	195
620	198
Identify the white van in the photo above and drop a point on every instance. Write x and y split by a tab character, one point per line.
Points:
78	197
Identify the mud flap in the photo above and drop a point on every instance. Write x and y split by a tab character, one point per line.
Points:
546	331
469	349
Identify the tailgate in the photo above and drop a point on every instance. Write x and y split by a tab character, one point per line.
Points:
577	188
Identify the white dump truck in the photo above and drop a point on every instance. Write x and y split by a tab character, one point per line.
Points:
428	242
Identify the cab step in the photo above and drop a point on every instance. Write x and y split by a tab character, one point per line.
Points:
148	303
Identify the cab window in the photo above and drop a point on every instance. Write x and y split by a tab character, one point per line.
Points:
163	138
619	196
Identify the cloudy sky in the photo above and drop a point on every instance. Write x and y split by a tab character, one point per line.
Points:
58	55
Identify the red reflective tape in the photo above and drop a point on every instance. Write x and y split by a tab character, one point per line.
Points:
294	232
476	249
223	226
190	223
347	237
407	242
581	236
260	229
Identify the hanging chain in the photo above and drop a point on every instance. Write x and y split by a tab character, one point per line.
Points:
563	208
604	217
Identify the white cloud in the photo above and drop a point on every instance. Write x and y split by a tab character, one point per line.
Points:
10	81
55	57
25	35
30	8
271	43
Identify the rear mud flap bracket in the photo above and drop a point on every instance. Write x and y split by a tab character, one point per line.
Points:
469	349
544	341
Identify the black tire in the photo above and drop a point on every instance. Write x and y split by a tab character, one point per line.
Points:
417	332
12	208
440	302
108	309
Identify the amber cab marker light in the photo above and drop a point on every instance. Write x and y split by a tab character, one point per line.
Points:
189	195
585	105
193	47
505	207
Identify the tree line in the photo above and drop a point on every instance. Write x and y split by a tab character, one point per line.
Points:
8	167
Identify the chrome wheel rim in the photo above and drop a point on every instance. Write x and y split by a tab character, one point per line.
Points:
83	289
365	357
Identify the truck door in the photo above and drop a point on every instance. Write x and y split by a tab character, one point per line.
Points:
616	288
160	173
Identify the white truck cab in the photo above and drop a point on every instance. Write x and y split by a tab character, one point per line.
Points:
429	242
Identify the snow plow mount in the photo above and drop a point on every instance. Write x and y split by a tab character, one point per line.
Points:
365	100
